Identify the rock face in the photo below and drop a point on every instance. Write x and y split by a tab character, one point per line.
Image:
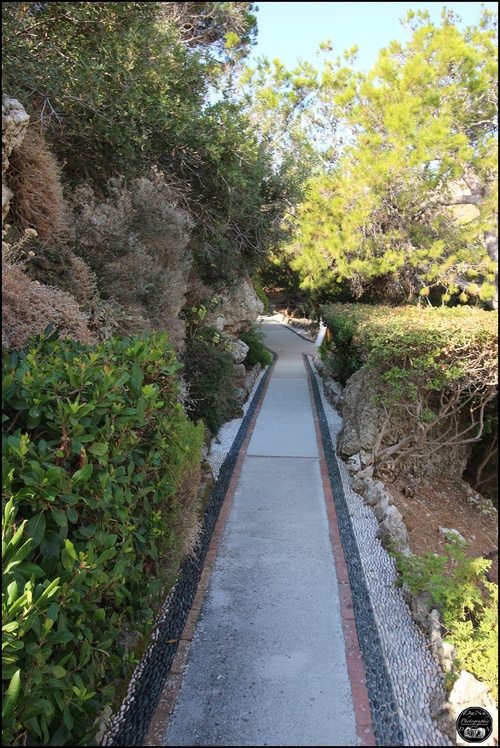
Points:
363	421
237	310
14	125
466	692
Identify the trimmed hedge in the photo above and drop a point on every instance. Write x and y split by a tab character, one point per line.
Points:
95	449
435	367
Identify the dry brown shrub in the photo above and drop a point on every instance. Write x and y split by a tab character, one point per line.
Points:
34	176
28	307
56	265
137	242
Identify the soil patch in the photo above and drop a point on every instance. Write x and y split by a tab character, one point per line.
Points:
445	502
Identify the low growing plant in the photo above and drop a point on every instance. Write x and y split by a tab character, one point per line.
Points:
257	351
467	603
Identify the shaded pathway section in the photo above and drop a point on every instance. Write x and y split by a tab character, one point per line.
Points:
267	662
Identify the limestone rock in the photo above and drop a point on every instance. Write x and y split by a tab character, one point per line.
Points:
466	692
320	367
354	464
334	392
237	349
452	534
14	125
239	371
419	604
443	651
237	310
363	421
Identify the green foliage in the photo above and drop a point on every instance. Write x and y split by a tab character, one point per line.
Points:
257	351
339	347
409	204
119	87
209	373
95	449
468	605
257	287
434	367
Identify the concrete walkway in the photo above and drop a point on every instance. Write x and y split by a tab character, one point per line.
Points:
268	661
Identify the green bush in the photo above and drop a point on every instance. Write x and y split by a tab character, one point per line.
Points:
257	351
339	348
468	605
95	448
257	287
434	369
209	373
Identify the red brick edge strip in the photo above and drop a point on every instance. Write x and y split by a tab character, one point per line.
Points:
159	722
355	668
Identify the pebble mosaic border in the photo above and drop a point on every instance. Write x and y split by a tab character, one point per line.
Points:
386	725
131	724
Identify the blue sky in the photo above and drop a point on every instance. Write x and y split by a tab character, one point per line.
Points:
295	30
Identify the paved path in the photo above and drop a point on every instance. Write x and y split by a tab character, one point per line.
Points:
267	663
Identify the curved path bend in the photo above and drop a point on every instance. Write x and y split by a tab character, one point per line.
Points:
269	654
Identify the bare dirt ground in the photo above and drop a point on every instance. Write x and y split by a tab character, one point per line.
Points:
428	505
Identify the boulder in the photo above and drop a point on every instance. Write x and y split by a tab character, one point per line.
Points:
363	421
334	392
392	530
14	125
236	348
237	310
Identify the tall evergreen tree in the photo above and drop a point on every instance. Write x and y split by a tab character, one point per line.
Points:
411	205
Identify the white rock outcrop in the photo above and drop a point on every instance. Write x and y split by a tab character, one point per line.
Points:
237	310
14	125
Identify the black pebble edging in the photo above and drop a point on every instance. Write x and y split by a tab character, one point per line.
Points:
386	725
160	654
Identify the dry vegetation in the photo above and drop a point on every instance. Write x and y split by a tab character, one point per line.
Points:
34	178
98	264
28	307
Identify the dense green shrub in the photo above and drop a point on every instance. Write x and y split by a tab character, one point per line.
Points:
96	447
257	351
435	368
257	287
339	342
467	602
209	373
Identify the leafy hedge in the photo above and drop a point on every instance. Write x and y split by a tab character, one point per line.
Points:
436	367
95	448
415	338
